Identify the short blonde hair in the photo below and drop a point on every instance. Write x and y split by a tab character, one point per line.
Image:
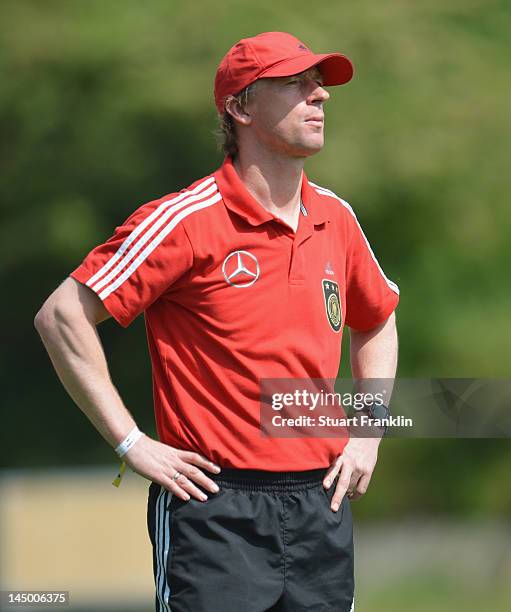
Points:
225	133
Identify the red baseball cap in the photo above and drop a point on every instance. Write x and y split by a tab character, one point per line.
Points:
274	54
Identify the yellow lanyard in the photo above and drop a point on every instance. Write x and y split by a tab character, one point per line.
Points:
117	480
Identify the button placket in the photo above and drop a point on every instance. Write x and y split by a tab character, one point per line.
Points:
297	266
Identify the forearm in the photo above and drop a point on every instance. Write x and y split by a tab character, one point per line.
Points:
75	349
374	359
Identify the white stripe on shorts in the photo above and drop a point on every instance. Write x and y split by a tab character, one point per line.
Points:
162	540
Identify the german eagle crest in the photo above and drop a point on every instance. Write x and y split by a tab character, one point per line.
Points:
332	304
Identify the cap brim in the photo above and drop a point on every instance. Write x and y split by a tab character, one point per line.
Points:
336	68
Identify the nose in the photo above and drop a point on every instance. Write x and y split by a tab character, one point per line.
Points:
319	93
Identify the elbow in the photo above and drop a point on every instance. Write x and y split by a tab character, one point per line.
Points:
52	314
66	308
45	318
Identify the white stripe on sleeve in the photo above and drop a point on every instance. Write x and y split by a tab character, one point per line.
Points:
323	191
142	226
155	242
150	232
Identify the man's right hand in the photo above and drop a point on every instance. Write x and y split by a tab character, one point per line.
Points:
160	463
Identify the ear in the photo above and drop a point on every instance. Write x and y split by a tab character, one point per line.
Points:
238	112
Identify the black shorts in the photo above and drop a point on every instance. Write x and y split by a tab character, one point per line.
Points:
266	541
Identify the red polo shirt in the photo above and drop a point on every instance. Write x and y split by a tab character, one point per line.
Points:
232	295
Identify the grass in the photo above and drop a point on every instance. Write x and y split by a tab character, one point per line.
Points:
433	594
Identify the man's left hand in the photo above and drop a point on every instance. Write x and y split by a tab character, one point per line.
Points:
355	467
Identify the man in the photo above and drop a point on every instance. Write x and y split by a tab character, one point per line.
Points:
250	273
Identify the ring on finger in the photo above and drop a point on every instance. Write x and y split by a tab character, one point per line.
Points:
176	476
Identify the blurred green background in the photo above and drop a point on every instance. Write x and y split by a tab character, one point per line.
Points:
106	105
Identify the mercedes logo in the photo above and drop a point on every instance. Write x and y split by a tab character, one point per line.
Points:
241	269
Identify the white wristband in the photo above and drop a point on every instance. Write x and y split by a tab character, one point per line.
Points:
129	441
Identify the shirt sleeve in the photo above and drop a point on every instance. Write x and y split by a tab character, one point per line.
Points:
143	258
370	296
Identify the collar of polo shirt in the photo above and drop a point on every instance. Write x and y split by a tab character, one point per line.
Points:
238	199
